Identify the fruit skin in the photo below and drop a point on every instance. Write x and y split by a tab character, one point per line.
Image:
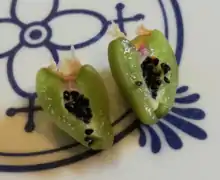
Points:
50	87
126	70
160	48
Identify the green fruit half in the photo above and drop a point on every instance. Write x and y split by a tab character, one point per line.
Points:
50	88
124	60
126	70
160	48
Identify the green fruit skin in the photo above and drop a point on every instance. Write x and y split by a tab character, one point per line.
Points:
160	48
125	68
49	88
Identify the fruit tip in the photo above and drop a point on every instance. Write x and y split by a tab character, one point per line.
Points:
115	31
142	30
73	51
53	65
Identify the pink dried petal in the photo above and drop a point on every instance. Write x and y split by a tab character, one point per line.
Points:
144	51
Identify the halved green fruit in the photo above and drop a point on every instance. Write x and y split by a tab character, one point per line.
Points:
160	48
125	65
126	70
50	87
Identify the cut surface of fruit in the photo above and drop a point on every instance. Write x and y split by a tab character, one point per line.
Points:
126	70
77	111
148	86
159	48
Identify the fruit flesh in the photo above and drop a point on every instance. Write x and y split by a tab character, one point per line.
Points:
91	85
126	70
50	87
160	48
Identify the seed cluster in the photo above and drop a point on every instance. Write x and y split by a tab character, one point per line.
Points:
89	139
153	72
78	105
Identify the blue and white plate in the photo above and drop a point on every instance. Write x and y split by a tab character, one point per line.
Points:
183	145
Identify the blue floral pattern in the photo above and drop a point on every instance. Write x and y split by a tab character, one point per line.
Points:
180	118
39	34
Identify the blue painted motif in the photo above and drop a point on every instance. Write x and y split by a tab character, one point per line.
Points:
172	138
188	99
182	89
180	118
36	30
69	146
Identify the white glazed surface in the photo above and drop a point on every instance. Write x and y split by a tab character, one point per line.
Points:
199	69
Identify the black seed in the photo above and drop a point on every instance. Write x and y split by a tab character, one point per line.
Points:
85	112
85	102
88	113
89	140
70	107
166	70
80	99
78	112
88	110
90	143
149	67
158	82
165	67
67	106
79	107
74	95
153	78
89	131
147	72
157	73
66	95
139	83
86	120
144	74
148	60
154	87
79	102
148	81
156	62
154	94
166	80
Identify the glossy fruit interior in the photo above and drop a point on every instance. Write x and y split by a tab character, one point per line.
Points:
154	74
52	96
78	105
126	70
160	48
92	86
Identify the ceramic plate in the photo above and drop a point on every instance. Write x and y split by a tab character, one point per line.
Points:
183	145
